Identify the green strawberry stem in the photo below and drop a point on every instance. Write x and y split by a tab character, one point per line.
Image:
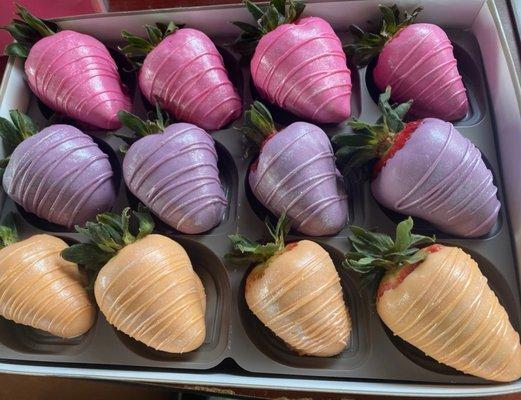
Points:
257	124
268	18
368	45
371	141
8	232
373	254
27	31
136	48
139	127
109	234
246	251
15	132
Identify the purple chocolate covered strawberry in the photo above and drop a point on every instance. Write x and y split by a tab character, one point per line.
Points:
184	72
173	171
295	173
70	72
299	63
59	173
424	168
417	61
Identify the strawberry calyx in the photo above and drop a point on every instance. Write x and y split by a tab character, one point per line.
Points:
267	17
258	126
393	278
374	144
369	44
15	132
379	258
27	30
106	236
136	48
247	251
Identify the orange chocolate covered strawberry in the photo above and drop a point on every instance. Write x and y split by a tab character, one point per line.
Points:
437	299
295	291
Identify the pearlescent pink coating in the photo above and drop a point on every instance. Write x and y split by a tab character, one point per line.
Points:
186	74
301	67
439	175
60	175
418	63
296	173
74	74
175	174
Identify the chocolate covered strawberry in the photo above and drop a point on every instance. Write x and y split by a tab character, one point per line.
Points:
295	291
424	168
145	284
298	63
59	173
70	72
437	299
295	173
182	70
417	61
40	289
173	170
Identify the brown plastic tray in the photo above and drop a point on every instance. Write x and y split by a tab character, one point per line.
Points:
233	332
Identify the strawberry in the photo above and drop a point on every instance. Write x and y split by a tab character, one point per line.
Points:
295	173
182	70
58	173
40	289
295	291
417	61
298	63
145	284
173	170
437	299
70	72
424	168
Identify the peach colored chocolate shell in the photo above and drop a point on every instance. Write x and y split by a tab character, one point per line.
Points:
150	291
419	64
446	309
297	294
74	74
186	74
40	289
302	68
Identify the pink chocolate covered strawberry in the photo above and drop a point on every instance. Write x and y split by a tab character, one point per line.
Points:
417	61
298	63
183	71
70	72
424	168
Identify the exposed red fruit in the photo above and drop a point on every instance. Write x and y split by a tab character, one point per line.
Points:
256	162
390	281
399	141
290	246
433	248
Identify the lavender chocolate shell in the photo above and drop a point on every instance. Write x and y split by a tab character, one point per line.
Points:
175	174
439	176
296	173
60	175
